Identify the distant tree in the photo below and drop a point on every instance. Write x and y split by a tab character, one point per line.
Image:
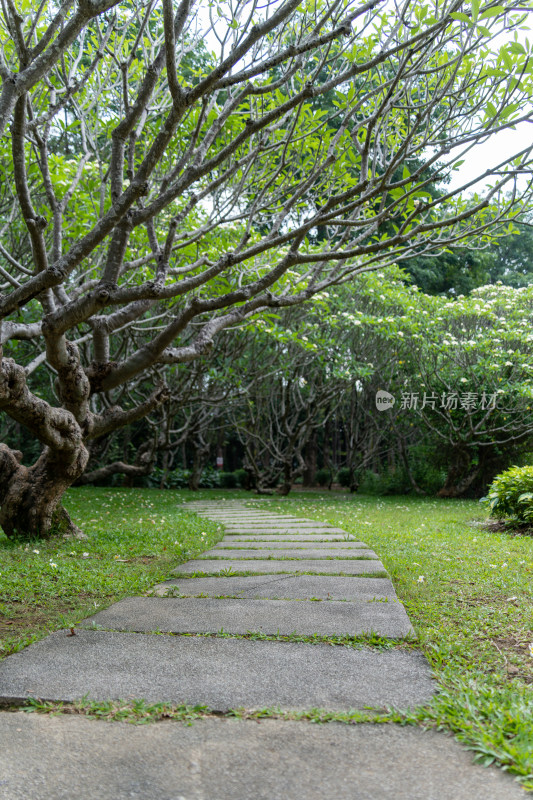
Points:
462	376
508	259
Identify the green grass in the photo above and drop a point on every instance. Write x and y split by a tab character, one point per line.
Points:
472	611
135	538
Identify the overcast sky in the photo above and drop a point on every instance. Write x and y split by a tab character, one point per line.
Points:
493	152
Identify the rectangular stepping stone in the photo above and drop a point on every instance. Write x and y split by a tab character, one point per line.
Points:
276	524
252	519
241	529
300	587
289	537
246	513
237	759
291	544
301	553
334	567
193	615
221	673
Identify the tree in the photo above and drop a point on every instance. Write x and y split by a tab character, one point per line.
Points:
292	391
462	269
461	374
168	174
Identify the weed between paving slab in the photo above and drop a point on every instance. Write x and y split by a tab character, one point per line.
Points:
230	573
140	712
358	642
172	593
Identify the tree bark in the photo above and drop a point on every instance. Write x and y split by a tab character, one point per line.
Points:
460	476
311	455
286	485
30	497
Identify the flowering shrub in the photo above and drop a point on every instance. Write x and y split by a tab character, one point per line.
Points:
511	495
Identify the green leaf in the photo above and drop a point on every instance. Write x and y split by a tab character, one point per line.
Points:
462	17
492	12
506	58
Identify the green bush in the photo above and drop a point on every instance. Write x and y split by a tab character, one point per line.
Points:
210	478
343	476
175	479
228	480
322	476
243	479
511	495
179	478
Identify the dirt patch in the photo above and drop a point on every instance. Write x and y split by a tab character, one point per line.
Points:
515	645
499	526
20	619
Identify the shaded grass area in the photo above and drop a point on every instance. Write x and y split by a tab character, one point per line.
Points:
135	537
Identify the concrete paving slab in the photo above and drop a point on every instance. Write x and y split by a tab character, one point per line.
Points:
281	538
292	544
282	531
249	520
68	757
276	524
301	587
221	673
247	512
301	553
334	567
207	615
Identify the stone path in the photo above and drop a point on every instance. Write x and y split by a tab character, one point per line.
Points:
270	575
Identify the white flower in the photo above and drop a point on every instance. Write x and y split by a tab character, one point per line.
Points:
531	650
420	579
464	380
508	363
53	564
36	551
504	564
85	555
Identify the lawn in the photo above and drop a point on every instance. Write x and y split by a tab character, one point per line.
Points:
135	538
468	591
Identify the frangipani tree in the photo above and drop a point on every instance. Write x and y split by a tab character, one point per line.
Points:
461	376
166	168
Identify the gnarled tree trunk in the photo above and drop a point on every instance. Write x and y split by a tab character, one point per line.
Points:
30	497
